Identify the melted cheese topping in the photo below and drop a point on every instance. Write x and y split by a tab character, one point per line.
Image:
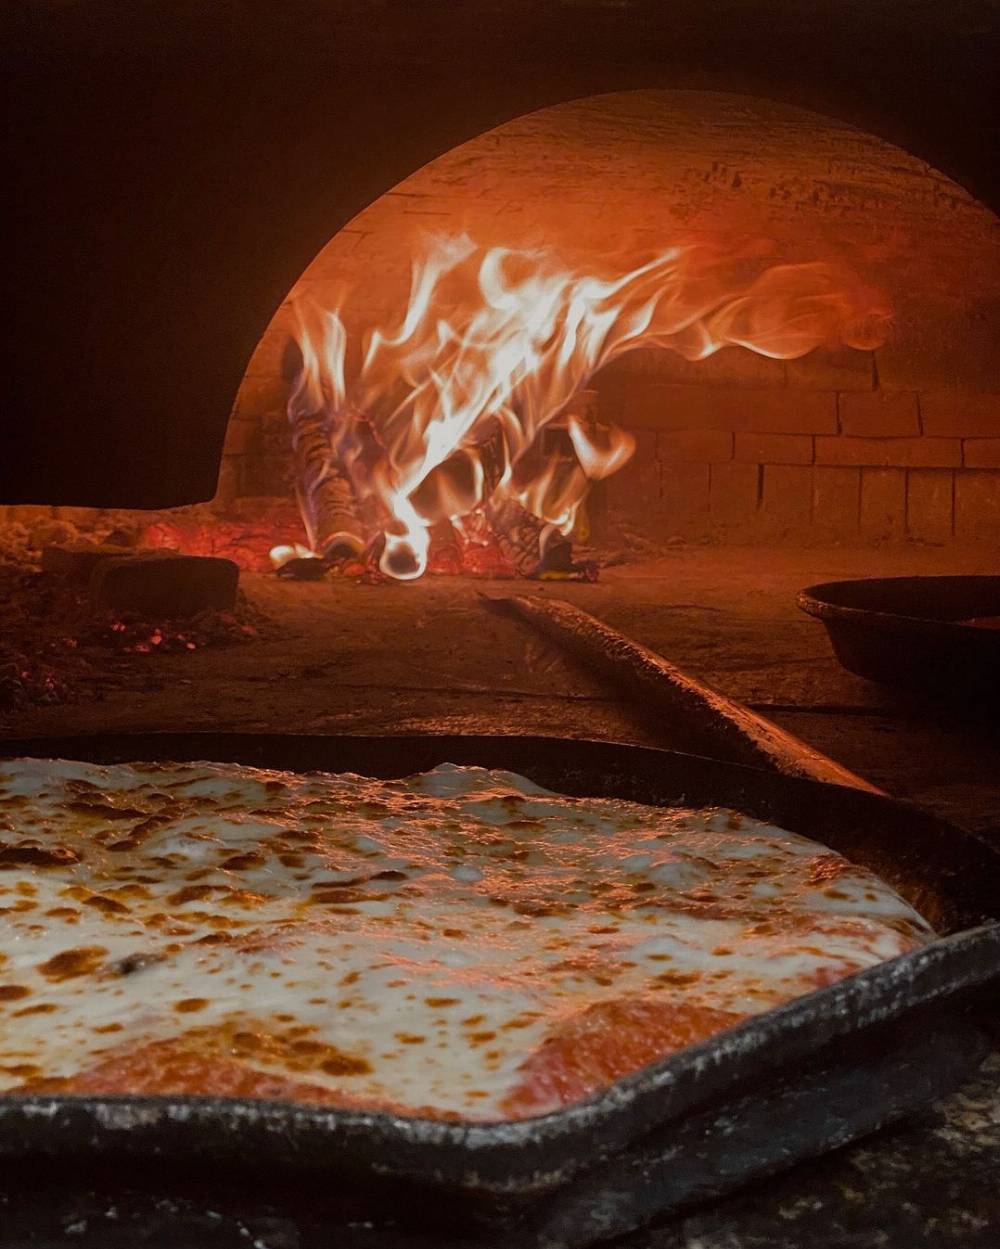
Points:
460	943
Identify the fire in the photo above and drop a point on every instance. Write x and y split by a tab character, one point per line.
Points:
439	418
280	555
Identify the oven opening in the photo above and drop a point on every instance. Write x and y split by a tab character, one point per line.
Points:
698	338
621	324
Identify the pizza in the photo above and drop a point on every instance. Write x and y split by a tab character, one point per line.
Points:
459	944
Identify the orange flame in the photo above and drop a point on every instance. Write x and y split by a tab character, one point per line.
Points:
435	417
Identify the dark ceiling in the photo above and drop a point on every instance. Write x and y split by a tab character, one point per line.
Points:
173	165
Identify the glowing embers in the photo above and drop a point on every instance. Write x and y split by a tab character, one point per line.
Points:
504	544
437	422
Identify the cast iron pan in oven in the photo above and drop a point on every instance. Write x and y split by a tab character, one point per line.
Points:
787	1085
934	634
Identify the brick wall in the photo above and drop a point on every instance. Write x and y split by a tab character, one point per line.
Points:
813	451
900	444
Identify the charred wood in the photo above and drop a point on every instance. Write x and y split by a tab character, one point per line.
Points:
465	480
518	535
325	496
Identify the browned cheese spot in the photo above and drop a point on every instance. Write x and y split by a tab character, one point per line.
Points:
190	893
241	862
109	905
71	963
26	852
346	1065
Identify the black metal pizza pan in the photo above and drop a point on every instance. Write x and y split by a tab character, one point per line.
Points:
782	1086
914	633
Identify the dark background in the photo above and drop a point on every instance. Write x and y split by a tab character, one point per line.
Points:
173	166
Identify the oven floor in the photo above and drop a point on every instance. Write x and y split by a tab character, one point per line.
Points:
426	656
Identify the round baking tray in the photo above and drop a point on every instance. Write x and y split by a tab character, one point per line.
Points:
789	1084
916	632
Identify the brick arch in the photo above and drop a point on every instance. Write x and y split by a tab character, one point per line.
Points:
174	167
903	439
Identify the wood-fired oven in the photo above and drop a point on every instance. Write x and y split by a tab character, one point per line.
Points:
393	383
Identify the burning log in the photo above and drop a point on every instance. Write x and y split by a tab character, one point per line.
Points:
444	554
518	535
480	387
534	548
325	496
462	483
468	485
